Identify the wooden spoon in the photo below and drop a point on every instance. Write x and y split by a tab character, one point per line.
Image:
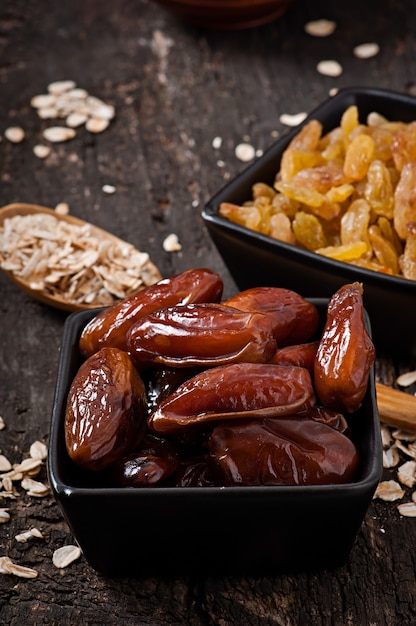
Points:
57	301
396	408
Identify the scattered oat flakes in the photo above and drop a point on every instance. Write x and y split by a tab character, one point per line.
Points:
389	490
76	119
5	465
41	151
407	509
403	435
34	488
245	152
391	457
320	28
329	68
62	557
28	534
292	120
57	134
109	189
406	379
8	567
4	516
407	473
333	91
38	450
366	50
59	87
409	450
62	208
217	143
48	113
171	243
29	465
14	134
375	119
386	437
43	101
96	124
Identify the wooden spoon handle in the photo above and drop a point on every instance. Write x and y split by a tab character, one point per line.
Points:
396	408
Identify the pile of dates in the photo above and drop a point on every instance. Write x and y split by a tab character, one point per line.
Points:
181	388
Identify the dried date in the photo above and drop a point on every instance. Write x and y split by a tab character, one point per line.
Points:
106	410
234	391
110	326
282	451
200	335
346	352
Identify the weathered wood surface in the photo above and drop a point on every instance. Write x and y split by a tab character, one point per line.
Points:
175	88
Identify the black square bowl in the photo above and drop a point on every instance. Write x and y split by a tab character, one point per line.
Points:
216	530
255	259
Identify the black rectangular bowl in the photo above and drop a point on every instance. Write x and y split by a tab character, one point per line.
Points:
254	259
216	530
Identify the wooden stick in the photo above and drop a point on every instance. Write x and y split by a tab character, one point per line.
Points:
396	408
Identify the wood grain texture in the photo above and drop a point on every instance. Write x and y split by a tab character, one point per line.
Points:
175	88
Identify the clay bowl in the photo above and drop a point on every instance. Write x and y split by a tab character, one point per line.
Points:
227	14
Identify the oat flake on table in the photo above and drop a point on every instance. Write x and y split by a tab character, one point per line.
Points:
366	50
320	28
292	120
329	68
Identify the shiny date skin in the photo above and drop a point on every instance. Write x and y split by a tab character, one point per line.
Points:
346	352
110	326
282	451
302	355
154	461
234	391
195	472
295	320
200	335
106	410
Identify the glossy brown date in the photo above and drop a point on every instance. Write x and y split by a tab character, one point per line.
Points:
110	326
150	465
282	451
234	391
195	472
302	355
346	352
200	335
294	319
106	410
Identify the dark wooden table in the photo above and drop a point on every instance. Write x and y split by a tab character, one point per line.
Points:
175	88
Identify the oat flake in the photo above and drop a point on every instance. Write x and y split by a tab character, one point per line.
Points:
406	379
366	50
171	243
41	151
320	28
15	134
329	68
57	134
217	143
407	509
389	490
292	120
62	557
8	567
109	189
245	152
